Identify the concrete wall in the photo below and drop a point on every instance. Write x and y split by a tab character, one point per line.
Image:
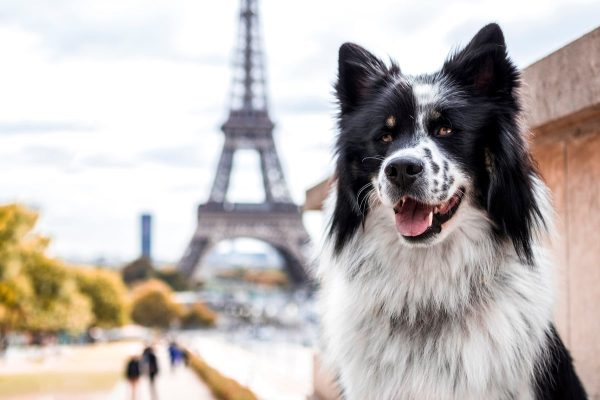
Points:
562	95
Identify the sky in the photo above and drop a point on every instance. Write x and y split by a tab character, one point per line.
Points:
111	108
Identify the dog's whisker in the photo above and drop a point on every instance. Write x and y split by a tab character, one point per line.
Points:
362	189
378	158
366	200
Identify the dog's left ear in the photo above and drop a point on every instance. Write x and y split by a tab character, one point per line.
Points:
483	65
484	69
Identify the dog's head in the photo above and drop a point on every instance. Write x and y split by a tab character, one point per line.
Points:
426	146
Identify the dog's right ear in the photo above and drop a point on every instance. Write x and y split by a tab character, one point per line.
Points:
359	71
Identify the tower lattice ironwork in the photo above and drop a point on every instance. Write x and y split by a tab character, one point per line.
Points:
277	220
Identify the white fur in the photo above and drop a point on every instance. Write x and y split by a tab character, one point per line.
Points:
486	350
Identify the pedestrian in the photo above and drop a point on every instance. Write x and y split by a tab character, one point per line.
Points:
132	373
173	355
151	363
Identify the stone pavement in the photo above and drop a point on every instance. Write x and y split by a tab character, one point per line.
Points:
74	363
273	371
182	383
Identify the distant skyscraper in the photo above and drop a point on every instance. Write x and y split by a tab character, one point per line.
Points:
146	226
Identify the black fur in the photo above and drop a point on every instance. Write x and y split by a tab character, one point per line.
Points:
555	376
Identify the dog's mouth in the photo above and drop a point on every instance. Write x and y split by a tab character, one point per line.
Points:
416	220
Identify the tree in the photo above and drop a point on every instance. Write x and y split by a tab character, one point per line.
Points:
138	270
174	278
199	315
153	305
108	295
15	224
141	269
37	293
56	303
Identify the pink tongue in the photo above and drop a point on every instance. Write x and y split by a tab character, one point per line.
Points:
412	219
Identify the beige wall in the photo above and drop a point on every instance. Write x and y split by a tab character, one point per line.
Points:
569	160
562	97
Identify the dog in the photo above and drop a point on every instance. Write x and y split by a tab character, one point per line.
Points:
435	279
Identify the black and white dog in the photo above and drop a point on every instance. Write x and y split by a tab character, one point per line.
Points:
435	283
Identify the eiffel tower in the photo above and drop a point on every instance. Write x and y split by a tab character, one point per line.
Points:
277	220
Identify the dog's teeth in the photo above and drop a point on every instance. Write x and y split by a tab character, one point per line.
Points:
430	218
436	210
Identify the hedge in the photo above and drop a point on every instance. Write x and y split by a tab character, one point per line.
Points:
222	387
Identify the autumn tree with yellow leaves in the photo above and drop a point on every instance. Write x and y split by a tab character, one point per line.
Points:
39	293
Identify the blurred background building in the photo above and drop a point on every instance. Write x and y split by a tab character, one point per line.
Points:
146	235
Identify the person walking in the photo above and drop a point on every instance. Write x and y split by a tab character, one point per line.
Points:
151	363
132	374
173	355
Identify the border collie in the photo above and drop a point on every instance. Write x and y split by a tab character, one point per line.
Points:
435	282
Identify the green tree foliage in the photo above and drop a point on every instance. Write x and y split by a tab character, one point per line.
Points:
108	294
153	305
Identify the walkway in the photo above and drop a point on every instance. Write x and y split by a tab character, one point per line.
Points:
182	383
273	371
93	373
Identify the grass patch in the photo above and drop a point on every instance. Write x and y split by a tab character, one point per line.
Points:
222	387
56	382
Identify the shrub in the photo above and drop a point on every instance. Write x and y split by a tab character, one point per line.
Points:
199	315
153	305
140	269
174	278
268	277
222	387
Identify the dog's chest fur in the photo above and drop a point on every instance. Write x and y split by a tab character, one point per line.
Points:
462	320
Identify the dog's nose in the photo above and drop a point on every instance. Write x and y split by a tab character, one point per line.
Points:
403	171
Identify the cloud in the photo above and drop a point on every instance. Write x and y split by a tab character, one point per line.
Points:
35	127
305	105
119	30
192	155
534	36
105	161
47	155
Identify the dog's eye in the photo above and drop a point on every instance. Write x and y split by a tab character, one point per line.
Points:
444	131
387	138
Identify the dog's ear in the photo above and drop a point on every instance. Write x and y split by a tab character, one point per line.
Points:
359	71
512	202
484	69
483	65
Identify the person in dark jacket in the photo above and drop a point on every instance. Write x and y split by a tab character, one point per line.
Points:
151	364
132	373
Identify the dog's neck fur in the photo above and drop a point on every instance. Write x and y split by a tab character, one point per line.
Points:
459	320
